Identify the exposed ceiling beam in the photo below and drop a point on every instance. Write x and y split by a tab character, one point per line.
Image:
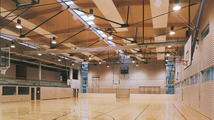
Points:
42	13
126	3
146	45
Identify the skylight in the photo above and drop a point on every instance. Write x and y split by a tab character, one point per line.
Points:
64	57
90	23
84	18
68	2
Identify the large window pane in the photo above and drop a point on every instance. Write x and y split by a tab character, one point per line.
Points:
197	78
84	74
193	80
187	81
8	90
213	73
204	76
169	89
209	75
23	90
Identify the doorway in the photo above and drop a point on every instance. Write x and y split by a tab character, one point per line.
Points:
38	93
32	93
75	92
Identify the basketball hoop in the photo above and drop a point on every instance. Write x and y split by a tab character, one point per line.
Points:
69	82
182	62
3	70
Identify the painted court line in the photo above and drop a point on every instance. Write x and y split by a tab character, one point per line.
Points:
176	116
143	110
178	111
152	117
111	110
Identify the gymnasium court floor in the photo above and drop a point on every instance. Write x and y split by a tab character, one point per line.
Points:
98	109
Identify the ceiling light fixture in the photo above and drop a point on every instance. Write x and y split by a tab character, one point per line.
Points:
12	44
90	57
133	61
110	37
176	6
59	59
54	40
169	46
100	62
166	64
107	65
172	32
72	63
128	56
167	54
137	64
167	60
39	54
91	15
18	25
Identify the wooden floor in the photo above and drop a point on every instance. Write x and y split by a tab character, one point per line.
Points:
98	109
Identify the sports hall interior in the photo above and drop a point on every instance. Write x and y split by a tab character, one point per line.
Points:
107	59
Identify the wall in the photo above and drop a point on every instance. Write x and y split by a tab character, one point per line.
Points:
200	96
45	93
33	73
142	96
55	92
151	74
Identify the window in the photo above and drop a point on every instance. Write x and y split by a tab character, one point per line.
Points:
196	79
178	84
84	80
213	73
8	90
23	90
75	74
205	32
169	89
207	75
192	80
204	76
182	83
187	81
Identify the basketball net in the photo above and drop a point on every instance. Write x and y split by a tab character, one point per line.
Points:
182	62
3	70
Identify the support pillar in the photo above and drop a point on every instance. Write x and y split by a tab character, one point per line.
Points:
40	70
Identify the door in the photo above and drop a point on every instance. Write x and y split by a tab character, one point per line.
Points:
32	93
75	92
38	93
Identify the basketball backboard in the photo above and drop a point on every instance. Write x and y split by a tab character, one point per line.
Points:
5	59
187	51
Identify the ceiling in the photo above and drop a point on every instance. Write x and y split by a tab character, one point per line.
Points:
73	34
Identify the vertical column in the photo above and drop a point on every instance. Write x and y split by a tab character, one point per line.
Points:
170	73
84	78
71	73
40	70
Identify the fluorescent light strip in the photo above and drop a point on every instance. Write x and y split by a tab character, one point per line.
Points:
6	38
30	46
